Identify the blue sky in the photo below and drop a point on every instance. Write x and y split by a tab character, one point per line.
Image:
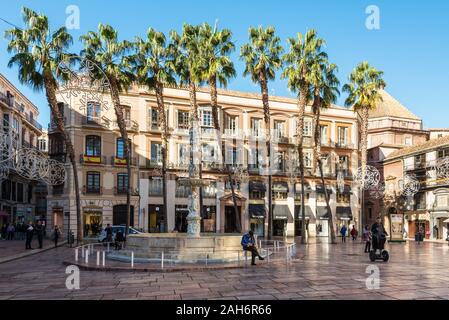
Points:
411	46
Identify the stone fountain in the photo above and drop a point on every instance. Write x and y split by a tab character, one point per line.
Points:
192	247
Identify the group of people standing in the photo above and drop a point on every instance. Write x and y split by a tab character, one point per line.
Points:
13	231
38	230
367	234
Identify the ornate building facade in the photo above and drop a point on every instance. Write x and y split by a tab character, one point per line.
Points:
103	175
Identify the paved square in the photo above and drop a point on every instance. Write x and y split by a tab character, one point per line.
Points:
320	271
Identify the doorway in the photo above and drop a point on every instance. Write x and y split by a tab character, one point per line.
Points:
58	218
181	213
279	228
230	219
156	219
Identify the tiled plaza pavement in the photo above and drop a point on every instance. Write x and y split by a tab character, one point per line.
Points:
14	247
323	272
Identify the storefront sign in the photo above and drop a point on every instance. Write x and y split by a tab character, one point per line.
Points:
396	227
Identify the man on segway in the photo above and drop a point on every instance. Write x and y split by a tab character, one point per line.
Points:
379	237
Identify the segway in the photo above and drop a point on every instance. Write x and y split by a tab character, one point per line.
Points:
378	252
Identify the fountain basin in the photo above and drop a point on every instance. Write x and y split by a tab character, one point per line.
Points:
181	248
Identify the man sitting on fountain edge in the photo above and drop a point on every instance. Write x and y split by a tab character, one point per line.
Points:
249	244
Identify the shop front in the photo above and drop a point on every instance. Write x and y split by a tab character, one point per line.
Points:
119	215
93	221
281	216
310	219
344	217
257	218
322	223
439	225
418	221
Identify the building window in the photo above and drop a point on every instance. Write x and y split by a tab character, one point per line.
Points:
231	124
256	127
43	145
93	111
93	182
155	187
443	153
320	197
324	136
93	146
308	159
183	120
207	118
6	189
343	136
183	154
122	183
210	191
279	129
257	195
20	192
120	149
30	193
127	113
307	127
154	119
156	152
13	191
208	152
277	195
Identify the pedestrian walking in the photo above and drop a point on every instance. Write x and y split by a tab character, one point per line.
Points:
29	235
40	233
10	232
249	244
108	233
56	235
366	236
354	233
343	233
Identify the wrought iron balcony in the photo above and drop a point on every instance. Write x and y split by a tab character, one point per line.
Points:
92	190
95	160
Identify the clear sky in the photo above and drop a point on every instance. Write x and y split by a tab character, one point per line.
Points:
411	46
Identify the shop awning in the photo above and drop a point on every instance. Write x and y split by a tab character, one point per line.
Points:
257	186
322	213
280	187
281	212
344	213
256	211
309	212
320	189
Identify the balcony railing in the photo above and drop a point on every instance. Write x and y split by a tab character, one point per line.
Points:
344	145
153	163
130	125
92	190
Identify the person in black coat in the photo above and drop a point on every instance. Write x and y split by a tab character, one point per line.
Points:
40	233
56	234
29	235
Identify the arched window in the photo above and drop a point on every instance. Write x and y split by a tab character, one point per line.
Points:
93	146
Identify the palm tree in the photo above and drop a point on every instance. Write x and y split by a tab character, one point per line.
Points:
216	47
38	53
154	68
364	88
262	56
325	91
303	51
104	49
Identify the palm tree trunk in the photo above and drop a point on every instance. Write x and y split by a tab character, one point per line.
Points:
214	104
164	135
317	152
363	148
300	132
266	109
50	91
115	95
